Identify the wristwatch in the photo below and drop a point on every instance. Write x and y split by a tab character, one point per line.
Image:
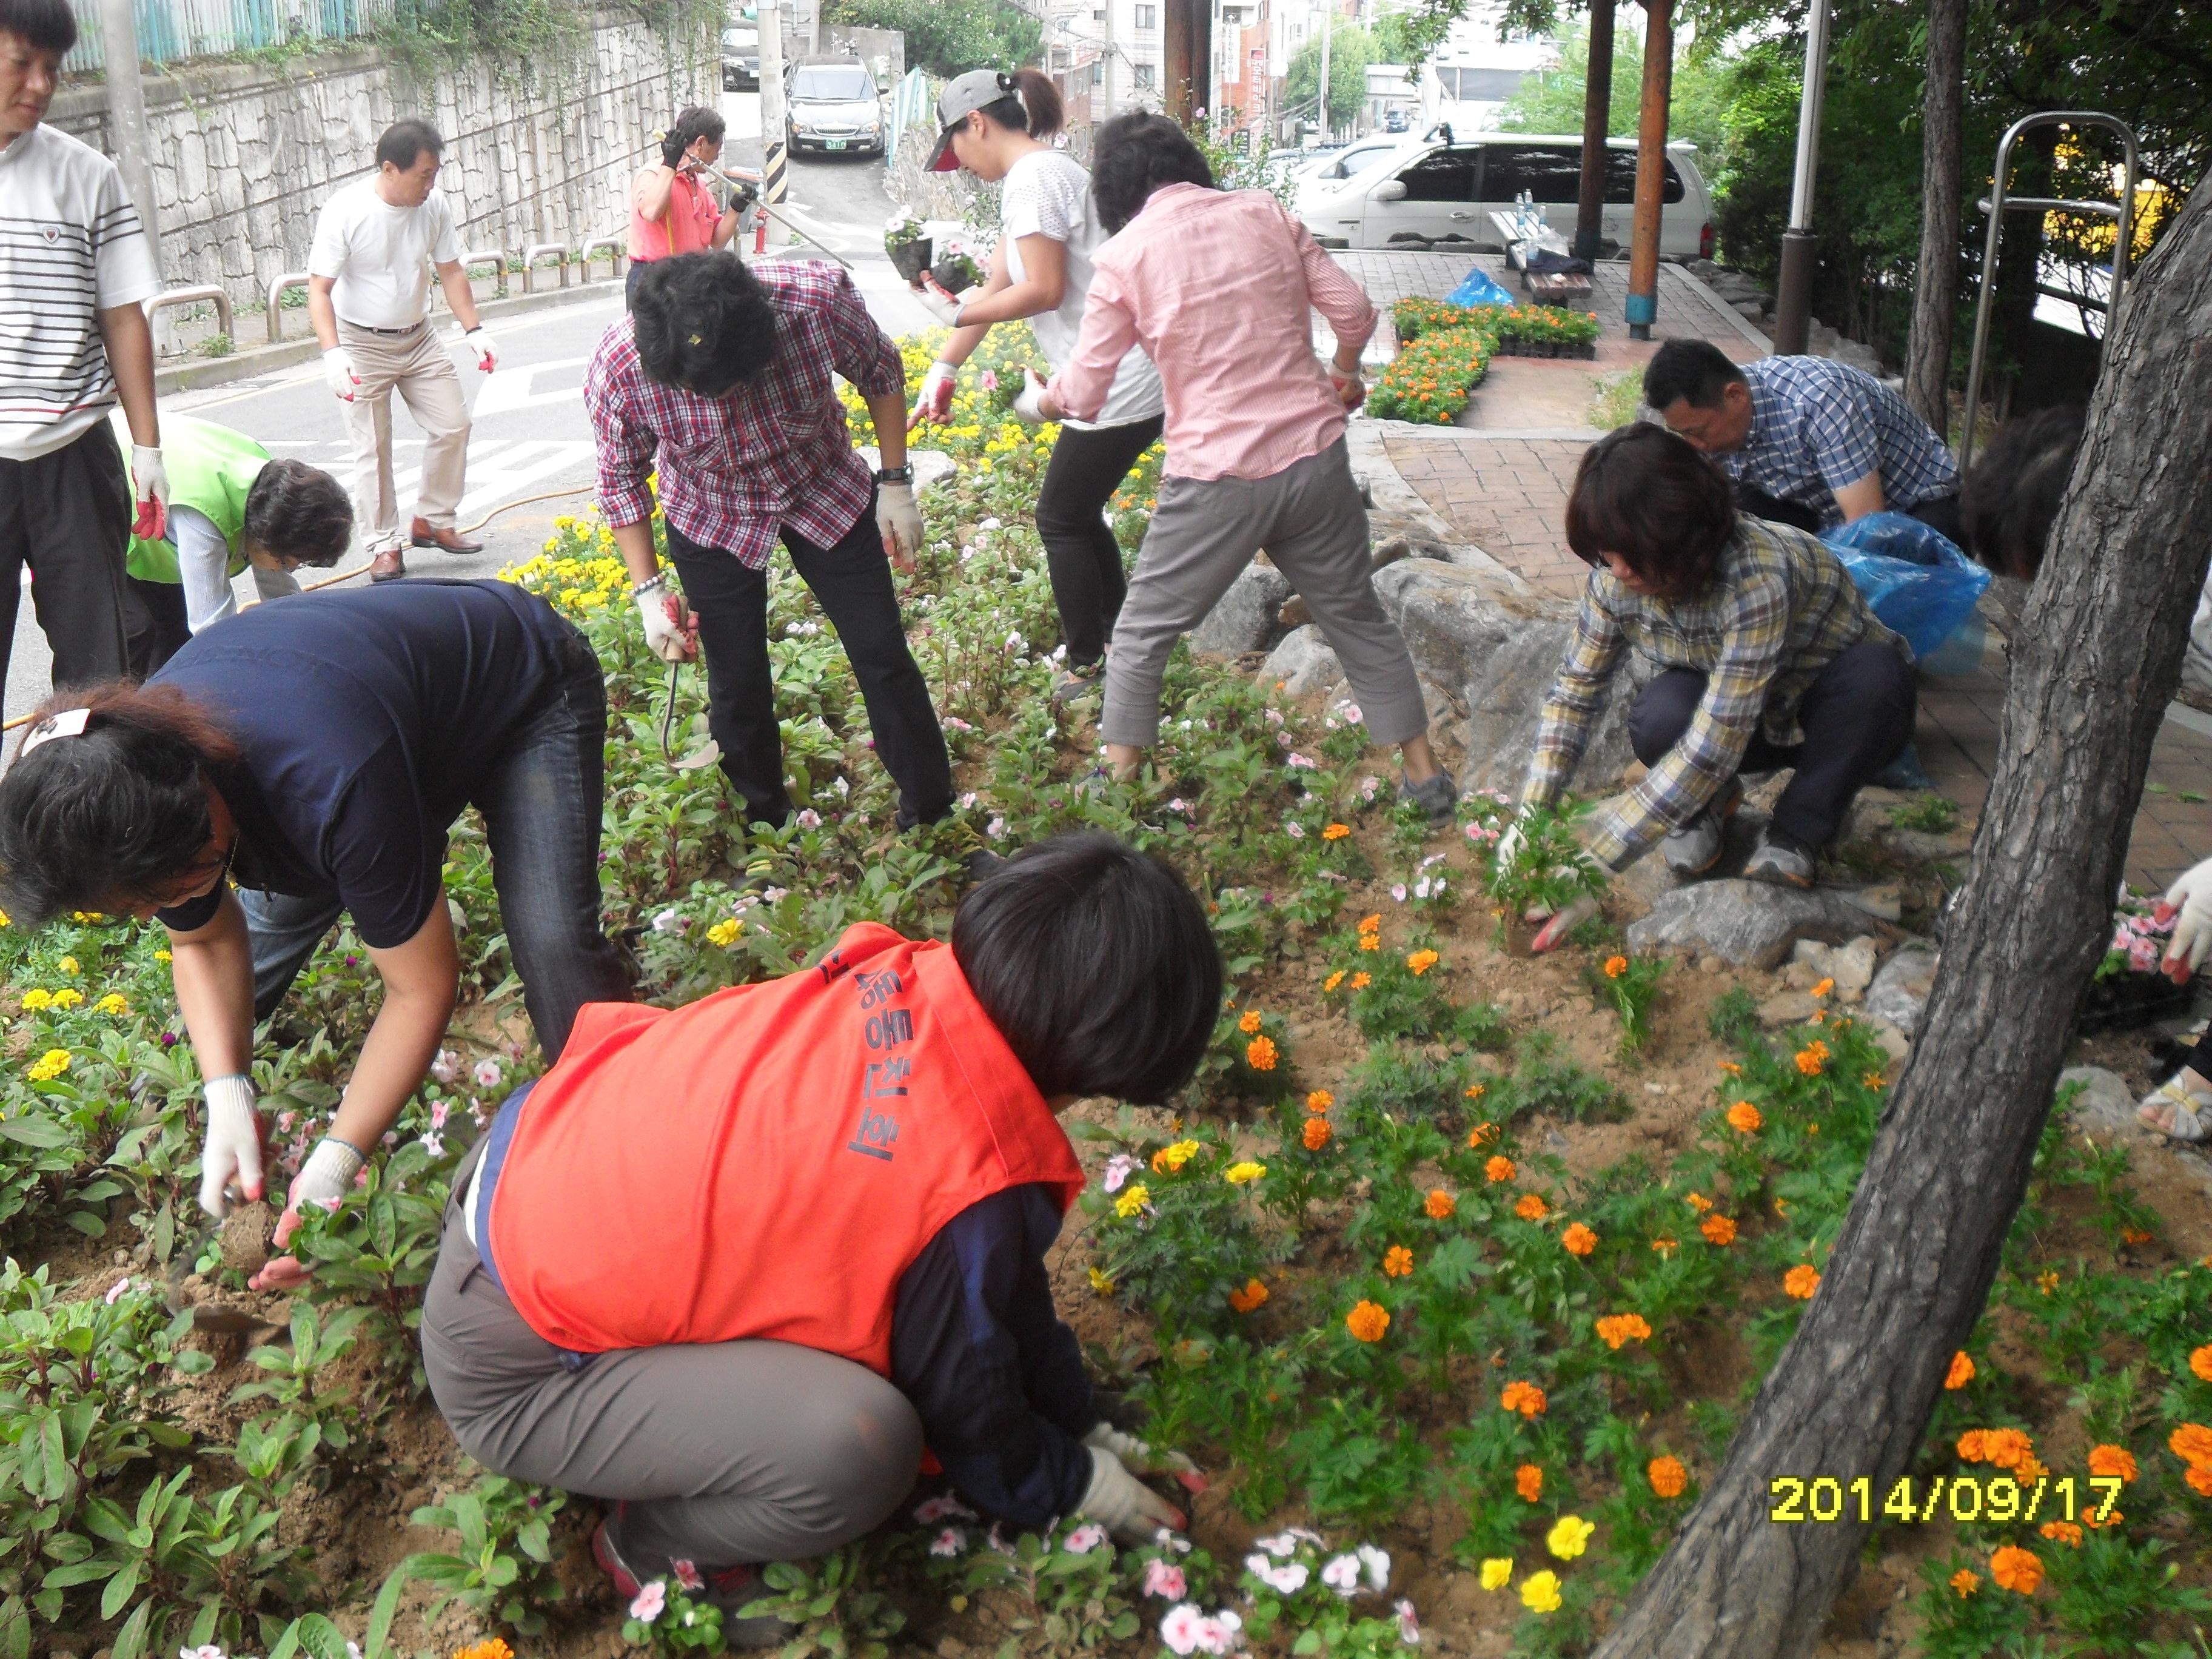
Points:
894	475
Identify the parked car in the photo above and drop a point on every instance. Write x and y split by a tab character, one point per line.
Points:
834	105
1395	121
1443	189
741	58
1321	176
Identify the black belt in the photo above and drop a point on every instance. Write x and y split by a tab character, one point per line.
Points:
370	328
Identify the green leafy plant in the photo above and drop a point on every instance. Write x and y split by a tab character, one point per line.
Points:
503	1568
831	1605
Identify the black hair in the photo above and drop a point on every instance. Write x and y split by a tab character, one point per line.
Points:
42	25
1645	493
1133	156
404	142
1095	962
692	125
704	322
2009	500
1033	106
112	816
300	512
1696	369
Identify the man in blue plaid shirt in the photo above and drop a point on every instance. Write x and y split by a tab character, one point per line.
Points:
1822	443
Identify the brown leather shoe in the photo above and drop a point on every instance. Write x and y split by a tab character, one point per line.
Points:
452	540
388	566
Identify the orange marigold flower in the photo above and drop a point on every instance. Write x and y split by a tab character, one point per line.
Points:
493	1648
1824	987
1731	1068
1528	1481
1368	1321
1371	941
1744	1118
1578	1240
1973	1446
1966	1583
1802	1280
1251	1022
1320	1100
1475	1091
1440	1205
1616	967
1872	1079
2134	1236
1812	1057
2199	1479
1614	1329
1360	982
2192	1443
2089	1518
1668	1476
1252	1295
1961	1372
1330	985
2017	1570
1371	924
2200	1361
1421	961
2110	1460
2008	1448
1532	1208
2065	1532
1336	832
1524	1397
1499	1169
1665	1246
1397	1261
1260	1053
1718	1229
1317	1134
1698	1202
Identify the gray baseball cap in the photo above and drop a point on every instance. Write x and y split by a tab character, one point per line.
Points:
962	97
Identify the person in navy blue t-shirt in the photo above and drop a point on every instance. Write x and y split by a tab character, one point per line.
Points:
315	752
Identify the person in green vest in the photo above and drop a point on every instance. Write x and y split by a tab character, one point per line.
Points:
232	507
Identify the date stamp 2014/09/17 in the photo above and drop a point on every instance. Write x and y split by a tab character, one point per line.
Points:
1961	1497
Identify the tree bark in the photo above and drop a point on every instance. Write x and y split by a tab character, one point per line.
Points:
1935	298
2102	641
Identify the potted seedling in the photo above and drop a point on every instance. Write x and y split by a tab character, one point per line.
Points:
908	248
956	272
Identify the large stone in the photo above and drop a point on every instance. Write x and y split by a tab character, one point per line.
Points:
1248	618
2106	1105
1849	968
1900	992
1748	923
1302	664
1495	645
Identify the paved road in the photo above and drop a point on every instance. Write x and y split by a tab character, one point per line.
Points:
531	434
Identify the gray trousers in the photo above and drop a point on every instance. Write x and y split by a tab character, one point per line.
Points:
720	1454
1204	532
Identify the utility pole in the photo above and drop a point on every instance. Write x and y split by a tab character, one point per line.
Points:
1793	303
126	123
1642	308
1106	60
775	134
1597	126
1327	33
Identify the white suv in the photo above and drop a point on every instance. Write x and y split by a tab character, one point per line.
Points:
1443	189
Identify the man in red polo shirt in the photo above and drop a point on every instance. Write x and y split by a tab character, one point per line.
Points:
741	1313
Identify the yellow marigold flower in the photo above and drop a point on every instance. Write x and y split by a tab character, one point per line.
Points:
1578	1240
1317	1134
3	918
112	1003
1333	981
1965	1583
1524	1397
1252	1295
1251	1022
1397	1261
1616	1328
1497	1573
66	998
1336	832
1813	1057
1240	1175
161	956
1668	1476
1962	1371
2108	1460
1101	1283
1320	1100
1616	967
1718	1229
1531	1207
1528	1481
1368	1321
1260	1053
2017	1570
1421	961
67	965
1802	1280
2047	1280
1168	1158
34	1000
1744	1118
1540	1592
1133	1199
1440	1205
724	932
49	1065
1569	1537
2063	1532
1359	981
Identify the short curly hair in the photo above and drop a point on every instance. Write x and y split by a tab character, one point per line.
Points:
1644	493
298	511
1135	155
704	323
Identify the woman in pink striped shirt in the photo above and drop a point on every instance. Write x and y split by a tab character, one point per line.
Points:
1218	287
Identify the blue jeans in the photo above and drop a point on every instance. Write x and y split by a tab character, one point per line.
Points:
541	810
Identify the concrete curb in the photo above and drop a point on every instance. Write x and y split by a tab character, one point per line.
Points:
1397	508
1735	319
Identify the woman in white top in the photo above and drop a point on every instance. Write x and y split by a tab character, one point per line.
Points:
993	125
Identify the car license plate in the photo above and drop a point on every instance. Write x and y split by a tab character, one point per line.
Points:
833	144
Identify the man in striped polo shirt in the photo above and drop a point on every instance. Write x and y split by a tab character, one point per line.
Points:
74	265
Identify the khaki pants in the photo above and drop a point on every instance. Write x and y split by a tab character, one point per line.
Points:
416	365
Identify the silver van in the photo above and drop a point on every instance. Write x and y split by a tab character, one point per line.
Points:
1449	188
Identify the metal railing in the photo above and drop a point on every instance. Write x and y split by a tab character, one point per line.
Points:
617	250
205	293
494	256
170	31
277	285
557	251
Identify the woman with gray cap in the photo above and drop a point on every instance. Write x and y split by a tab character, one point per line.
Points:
995	126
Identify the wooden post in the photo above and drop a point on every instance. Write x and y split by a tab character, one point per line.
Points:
1597	126
1189	52
1642	308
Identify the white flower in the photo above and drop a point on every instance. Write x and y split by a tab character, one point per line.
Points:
671	920
1179	804
1166	1539
988	524
775	895
1368	786
1220	1634
1296	831
435	1144
1299	763
1283	1544
1084	1539
1398	892
208	1652
951	1542
842	788
116	1293
996	829
488	1073
936	1509
1342	1575
447	1068
1288	1578
649	1602
1409	1628
953	722
968	800
1274	717
1377	1563
810	820
1179	1628
1119	1169
1351	714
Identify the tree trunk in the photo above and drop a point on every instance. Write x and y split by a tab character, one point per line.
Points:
1935	298
2102	636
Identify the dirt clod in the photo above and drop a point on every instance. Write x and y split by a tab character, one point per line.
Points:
247	1232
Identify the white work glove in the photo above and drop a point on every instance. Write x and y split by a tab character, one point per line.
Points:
1138	1456
935	401
327	1176
900	521
1029	407
1509	844
1123	1505
151	480
938	301
232	1154
339	373
670	630
478	340
2188	903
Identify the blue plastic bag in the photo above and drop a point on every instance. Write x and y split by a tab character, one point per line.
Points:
1912	577
1479	291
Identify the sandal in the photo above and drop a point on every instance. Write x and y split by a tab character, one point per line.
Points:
2189	1111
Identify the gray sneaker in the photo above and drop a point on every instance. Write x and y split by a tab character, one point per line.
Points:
1696	847
1782	860
1438	797
1076	683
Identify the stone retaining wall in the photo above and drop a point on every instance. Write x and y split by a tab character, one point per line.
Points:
245	155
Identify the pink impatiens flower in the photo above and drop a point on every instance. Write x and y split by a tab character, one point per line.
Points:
1179	1629
649	1602
1086	1538
687	1574
1409	1627
951	1542
936	1509
1164	1578
116	1292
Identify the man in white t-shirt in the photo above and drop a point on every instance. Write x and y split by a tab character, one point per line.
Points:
368	290
74	265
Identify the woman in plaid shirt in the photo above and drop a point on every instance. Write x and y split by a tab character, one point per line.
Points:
1767	658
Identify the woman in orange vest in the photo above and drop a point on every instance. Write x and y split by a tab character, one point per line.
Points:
671	210
732	1266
